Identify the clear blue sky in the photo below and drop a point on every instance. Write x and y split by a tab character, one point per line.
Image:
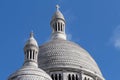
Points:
94	24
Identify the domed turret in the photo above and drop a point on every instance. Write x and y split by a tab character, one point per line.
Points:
31	51
58	25
66	60
30	70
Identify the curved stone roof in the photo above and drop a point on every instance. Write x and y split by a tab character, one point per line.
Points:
66	54
58	15
29	73
31	41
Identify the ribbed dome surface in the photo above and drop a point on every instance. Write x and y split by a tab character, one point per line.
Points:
65	54
29	73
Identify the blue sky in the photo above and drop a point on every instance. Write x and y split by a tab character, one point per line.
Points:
93	24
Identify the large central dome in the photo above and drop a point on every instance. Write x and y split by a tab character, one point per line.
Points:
63	59
61	53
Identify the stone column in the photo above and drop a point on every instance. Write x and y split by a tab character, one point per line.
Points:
96	78
81	77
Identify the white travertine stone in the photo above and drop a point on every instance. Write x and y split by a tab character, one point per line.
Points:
30	70
58	25
61	55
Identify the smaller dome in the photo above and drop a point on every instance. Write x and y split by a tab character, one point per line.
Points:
58	14
31	41
29	73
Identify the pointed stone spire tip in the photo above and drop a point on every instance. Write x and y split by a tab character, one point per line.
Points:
57	7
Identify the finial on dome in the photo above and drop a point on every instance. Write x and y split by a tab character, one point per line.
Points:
57	7
31	34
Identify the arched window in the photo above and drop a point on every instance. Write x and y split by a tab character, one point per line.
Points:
60	77
58	26
76	77
52	77
55	27
85	78
73	77
69	77
30	54
33	54
56	77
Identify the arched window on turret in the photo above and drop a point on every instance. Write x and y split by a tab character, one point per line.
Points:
55	27
58	26
56	77
60	77
30	54
85	78
73	77
52	77
77	77
33	54
69	77
61	27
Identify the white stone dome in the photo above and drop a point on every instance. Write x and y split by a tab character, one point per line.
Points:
31	41
29	73
30	70
66	54
58	15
